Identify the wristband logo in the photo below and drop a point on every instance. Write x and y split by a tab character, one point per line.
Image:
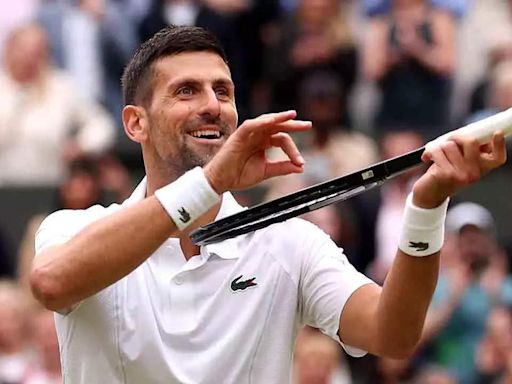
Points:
184	215
419	246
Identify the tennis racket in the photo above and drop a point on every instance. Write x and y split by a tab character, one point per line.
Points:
338	189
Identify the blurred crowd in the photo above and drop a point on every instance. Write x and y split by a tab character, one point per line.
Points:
378	78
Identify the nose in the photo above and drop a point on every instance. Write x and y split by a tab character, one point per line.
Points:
210	104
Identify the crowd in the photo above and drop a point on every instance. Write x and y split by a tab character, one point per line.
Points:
378	78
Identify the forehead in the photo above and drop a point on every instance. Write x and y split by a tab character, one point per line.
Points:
202	66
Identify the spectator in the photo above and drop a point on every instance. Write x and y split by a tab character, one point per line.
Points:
373	8
14	14
332	149
45	368
410	53
318	360
14	352
499	93
472	282
92	40
43	123
494	356
316	36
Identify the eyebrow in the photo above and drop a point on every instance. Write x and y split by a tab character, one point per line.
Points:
194	82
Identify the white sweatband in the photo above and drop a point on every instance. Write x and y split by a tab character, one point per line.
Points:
188	197
422	229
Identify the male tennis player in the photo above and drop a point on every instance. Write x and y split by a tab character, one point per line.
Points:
137	302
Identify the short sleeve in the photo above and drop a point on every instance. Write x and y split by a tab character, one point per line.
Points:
327	281
56	229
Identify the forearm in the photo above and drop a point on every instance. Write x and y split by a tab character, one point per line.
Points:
101	254
404	302
412	279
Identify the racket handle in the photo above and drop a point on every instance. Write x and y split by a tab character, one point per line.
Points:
481	130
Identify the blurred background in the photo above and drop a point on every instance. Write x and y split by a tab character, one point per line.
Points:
377	78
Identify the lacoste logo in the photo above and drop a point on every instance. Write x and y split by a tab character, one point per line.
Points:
419	246
184	215
241	285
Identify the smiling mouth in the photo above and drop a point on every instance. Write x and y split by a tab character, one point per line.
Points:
207	134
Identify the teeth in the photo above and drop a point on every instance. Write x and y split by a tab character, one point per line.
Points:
206	133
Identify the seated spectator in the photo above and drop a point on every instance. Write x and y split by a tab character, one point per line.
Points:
45	366
410	53
316	36
494	356
43	123
469	285
318	360
15	353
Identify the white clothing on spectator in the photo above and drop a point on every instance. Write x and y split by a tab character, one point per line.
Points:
38	121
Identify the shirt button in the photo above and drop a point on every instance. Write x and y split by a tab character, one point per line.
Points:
178	280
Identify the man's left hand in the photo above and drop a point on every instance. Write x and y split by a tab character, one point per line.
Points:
457	163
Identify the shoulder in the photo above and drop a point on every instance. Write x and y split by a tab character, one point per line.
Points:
297	244
68	218
60	226
294	233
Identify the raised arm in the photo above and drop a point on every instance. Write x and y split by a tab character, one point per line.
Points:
388	321
112	247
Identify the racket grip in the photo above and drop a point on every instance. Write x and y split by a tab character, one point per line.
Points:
481	130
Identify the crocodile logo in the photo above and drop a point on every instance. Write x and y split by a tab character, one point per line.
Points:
237	285
419	246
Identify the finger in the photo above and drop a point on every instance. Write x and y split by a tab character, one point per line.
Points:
273	115
281	168
470	147
498	154
278	117
438	156
454	153
285	142
273	123
289	126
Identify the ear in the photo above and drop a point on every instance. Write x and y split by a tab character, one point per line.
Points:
135	123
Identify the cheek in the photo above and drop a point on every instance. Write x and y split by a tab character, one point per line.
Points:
231	116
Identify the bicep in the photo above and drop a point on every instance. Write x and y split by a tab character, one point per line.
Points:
357	324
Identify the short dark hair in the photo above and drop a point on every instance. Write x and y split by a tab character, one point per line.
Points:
137	76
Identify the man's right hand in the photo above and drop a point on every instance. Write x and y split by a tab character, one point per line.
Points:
242	162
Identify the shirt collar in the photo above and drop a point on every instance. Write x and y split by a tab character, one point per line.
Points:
227	249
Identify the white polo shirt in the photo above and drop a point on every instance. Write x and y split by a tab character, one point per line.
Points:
227	315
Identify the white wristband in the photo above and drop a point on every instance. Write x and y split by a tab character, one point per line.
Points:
188	197
422	229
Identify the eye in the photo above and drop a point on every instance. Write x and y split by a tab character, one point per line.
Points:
222	92
185	91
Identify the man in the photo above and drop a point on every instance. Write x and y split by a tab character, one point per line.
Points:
137	302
